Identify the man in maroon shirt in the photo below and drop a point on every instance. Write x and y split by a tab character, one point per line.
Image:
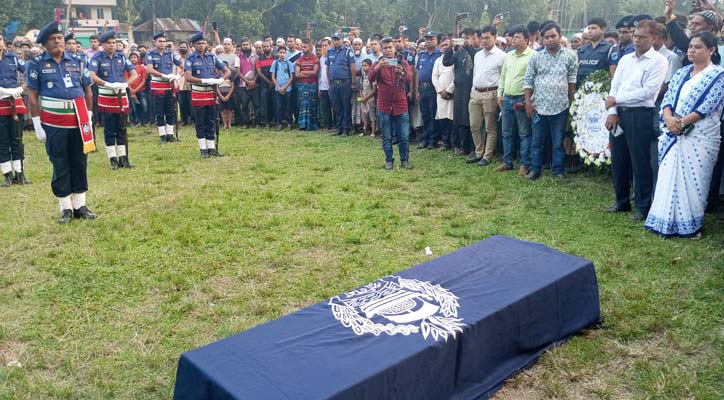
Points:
393	76
306	75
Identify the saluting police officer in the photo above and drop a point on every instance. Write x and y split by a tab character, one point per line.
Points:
12	152
199	72
106	70
341	72
59	95
159	63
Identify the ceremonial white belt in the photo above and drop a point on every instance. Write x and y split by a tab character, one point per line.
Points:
202	88
51	102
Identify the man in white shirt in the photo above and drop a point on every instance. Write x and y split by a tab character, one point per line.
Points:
487	65
631	106
326	119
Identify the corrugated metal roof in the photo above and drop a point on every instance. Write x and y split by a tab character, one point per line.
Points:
111	3
170	25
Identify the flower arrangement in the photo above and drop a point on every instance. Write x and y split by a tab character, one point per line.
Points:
588	117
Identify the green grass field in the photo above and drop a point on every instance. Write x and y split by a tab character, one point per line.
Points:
185	252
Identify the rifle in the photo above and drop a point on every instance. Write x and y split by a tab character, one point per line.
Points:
174	90
216	111
122	116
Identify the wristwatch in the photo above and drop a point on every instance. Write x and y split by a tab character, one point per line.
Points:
682	124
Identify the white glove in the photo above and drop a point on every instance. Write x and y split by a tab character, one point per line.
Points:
5	92
17	92
170	77
39	131
212	81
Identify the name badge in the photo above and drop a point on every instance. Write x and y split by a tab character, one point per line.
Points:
68	82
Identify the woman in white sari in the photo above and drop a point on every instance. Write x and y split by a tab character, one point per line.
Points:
689	141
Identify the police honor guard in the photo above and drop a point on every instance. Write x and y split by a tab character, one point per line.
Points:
199	72
12	109
159	63
107	71
59	93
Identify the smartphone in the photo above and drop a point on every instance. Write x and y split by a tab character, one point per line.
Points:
392	61
458	42
460	16
311	25
215	25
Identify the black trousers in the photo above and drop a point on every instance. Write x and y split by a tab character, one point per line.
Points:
266	101
205	122
715	185
165	109
326	117
631	155
65	151
10	147
249	98
112	129
463	138
184	105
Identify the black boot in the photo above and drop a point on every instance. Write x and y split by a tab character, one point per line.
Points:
20	179
124	163
65	216
215	153
84	213
164	139
204	153
8	180
114	163
171	138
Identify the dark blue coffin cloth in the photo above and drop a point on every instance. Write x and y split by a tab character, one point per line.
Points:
516	298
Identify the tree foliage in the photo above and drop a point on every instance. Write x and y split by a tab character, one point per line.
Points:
252	18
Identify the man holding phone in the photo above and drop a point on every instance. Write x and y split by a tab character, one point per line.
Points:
426	91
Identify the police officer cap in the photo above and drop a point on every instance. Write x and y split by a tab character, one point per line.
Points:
106	36
430	33
623	22
46	31
196	37
337	35
635	20
70	36
159	35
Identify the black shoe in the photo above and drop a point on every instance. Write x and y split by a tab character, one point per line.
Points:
65	216
560	177
83	213
8	180
533	175
406	165
575	169
124	163
114	163
20	179
164	139
171	138
339	133
618	208
483	162
204	153
345	133
388	165
280	127
430	147
215	153
473	159
638	216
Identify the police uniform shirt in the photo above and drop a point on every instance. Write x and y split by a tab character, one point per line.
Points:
65	80
617	53
202	66
163	62
339	62
111	69
591	60
425	63
409	56
10	66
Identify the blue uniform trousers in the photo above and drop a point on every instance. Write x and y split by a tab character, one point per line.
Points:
205	118
112	130
65	151
165	109
10	147
340	95
428	109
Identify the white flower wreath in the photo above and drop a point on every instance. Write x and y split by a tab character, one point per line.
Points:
588	118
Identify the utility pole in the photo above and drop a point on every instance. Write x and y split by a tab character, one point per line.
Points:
153	18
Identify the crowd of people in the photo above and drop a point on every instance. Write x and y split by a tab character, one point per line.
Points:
474	92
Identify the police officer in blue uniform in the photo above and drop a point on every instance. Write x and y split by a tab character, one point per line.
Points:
341	70
107	70
57	84
12	152
593	56
625	45
159	63
199	71
426	91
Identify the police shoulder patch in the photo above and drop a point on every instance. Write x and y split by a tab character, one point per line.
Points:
614	55
34	74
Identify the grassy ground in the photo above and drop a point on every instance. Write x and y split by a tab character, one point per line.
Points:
186	252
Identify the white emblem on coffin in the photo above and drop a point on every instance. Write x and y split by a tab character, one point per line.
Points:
397	305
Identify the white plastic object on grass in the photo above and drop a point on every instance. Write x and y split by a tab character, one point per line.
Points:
428	252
